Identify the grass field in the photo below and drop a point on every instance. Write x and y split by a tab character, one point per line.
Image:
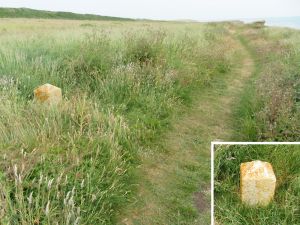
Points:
121	87
284	209
142	100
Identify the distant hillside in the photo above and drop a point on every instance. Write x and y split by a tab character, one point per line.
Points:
32	13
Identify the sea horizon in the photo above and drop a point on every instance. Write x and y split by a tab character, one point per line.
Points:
290	22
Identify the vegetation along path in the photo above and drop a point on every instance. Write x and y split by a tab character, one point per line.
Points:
175	187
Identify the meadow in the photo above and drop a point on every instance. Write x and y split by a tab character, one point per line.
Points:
128	86
122	82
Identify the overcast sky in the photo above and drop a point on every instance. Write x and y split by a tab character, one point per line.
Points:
169	9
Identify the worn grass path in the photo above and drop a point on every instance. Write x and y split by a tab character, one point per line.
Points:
175	185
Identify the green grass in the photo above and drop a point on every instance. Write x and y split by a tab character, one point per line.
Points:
175	181
269	108
284	209
42	14
267	111
124	85
77	163
249	103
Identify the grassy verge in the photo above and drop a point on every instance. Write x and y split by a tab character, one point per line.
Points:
269	108
284	209
268	111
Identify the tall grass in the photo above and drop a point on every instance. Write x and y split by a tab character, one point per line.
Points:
76	163
272	108
268	111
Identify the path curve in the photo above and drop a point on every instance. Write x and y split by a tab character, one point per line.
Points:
188	156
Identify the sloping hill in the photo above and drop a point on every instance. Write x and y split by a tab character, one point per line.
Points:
32	13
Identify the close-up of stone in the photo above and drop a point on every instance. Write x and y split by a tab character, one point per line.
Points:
257	183
48	94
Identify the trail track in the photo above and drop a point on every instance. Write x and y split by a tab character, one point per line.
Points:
165	187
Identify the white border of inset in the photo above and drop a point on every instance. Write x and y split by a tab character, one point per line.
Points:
212	147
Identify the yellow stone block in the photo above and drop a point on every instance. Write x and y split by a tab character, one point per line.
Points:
48	94
257	183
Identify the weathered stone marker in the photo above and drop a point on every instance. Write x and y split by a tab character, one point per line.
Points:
48	94
257	182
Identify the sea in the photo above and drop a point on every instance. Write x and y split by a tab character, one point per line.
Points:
291	22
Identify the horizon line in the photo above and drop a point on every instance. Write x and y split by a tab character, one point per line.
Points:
179	19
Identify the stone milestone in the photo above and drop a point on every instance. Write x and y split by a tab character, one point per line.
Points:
48	94
257	183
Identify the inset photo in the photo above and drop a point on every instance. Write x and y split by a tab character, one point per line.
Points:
255	183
